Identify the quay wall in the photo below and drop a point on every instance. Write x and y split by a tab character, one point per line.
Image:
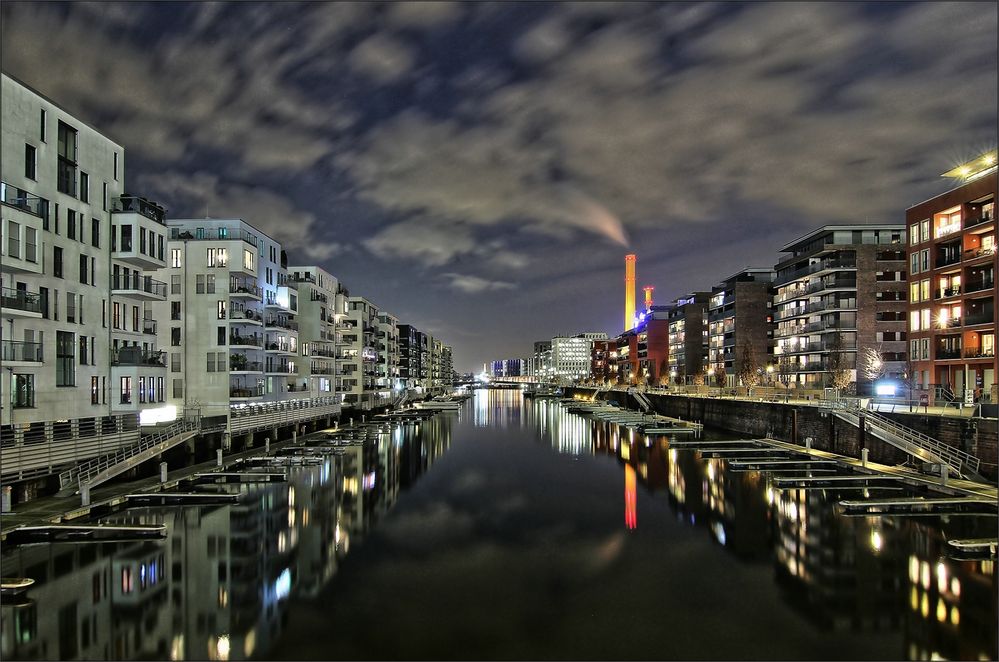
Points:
796	422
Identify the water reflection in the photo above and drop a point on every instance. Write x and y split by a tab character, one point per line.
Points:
218	587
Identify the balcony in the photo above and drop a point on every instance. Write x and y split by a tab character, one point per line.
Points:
149	326
947	354
824	265
280	369
221	234
22	200
245	392
322	370
281	348
975	253
238	363
948	292
972	319
977	220
135	219
245	290
19	304
947	259
248	340
302	278
141	287
136	356
281	323
979	353
245	316
21	353
979	285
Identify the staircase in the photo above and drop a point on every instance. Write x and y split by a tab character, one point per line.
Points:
643	401
916	444
100	469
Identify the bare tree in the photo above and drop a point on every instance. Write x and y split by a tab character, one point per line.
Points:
837	364
872	363
785	372
749	371
720	377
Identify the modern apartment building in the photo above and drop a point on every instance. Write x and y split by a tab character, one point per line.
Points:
359	355
688	338
387	345
79	351
740	327
840	295
952	288
603	361
571	356
650	360
409	356
322	301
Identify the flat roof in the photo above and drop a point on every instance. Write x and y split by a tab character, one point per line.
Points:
826	229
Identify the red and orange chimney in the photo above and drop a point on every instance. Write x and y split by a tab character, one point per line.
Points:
629	291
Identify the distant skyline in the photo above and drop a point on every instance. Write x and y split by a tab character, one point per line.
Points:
480	170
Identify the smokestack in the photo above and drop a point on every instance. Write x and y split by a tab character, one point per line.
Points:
648	297
629	291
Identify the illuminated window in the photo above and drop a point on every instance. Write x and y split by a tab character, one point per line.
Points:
924	289
914	316
248	260
914	293
924	227
914	234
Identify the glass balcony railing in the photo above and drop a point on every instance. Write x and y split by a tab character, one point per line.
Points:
15	197
134	204
22	351
246	391
248	340
979	318
944	354
979	285
145	284
16	299
135	356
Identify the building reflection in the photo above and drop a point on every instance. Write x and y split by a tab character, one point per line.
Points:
218	586
498	407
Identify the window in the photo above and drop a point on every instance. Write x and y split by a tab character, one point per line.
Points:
142	241
924	348
175	258
210	283
13	239
914	234
221	336
175	362
924	318
210	365
66	174
104	196
41	127
159	244
83	269
70	307
221	361
126	237
23	395
914	263
914	292
95	232
43	300
248	259
30	245
142	389
924	259
71	224
178	388
126	390
84	187
199	284
65	359
924	230
95	391
175	284
221	309
57	262
93	271
104	313
83	349
152	389
199	234
29	161
116	166
135	318
175	336
159	389
223	233
914	318
175	310
924	289
218	257
115	315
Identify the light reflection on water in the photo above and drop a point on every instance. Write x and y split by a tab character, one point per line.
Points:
630	514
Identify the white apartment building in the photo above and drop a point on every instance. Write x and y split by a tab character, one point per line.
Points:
358	355
570	356
387	345
321	303
80	358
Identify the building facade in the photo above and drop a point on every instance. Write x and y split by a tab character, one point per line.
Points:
322	302
740	328
840	295
952	290
688	339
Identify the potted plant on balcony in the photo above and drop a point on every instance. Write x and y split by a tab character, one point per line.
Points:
237	362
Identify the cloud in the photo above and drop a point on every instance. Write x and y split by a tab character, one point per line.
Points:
384	58
206	194
431	243
467	284
424	15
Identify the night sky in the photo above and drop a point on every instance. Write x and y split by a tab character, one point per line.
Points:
480	170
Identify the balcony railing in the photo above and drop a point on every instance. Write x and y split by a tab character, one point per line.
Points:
978	318
245	288
302	278
943	354
16	299
977	220
135	204
123	282
245	314
947	259
149	326
221	234
979	353
948	292
135	356
15	197
978	286
246	391
251	340
238	363
836	284
281	323
22	351
973	253
815	268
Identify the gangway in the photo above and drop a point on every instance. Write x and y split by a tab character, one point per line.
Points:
916	444
91	473
641	399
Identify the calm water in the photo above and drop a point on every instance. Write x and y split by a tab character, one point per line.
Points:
512	530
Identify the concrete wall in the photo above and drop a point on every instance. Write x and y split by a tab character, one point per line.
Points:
795	423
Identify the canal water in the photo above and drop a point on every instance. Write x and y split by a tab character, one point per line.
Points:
512	530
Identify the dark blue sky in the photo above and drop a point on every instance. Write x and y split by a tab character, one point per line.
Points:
481	169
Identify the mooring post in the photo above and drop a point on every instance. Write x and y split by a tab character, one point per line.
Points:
294	436
84	495
863	457
267	445
163	472
808	443
218	457
5	498
944	474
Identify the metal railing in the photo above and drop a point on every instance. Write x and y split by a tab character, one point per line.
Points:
141	283
85	472
236	288
15	197
16	299
251	340
243	365
149	326
138	205
22	351
36	454
246	391
134	356
245	314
